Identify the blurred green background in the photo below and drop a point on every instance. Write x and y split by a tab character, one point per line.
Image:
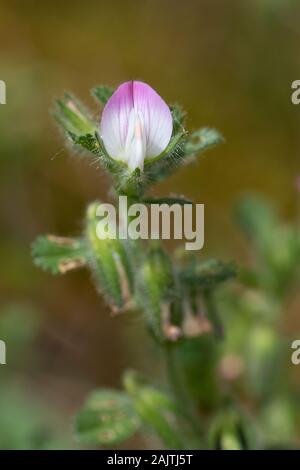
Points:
230	63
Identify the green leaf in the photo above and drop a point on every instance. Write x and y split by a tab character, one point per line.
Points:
201	140
102	93
72	116
167	200
178	115
59	254
208	274
156	409
87	141
107	418
109	260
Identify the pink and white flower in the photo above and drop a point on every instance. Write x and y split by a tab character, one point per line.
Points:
136	124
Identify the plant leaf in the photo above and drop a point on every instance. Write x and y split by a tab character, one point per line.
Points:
178	117
107	418
109	261
57	254
208	274
156	408
72	116
102	93
201	140
168	200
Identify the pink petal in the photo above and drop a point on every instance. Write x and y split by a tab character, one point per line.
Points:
136	124
115	120
157	118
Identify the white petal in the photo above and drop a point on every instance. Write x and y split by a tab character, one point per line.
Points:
157	117
135	145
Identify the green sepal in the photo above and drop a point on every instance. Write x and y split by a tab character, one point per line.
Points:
207	274
134	183
159	168
81	130
201	140
170	151
58	254
107	418
102	93
73	116
91	143
178	115
167	200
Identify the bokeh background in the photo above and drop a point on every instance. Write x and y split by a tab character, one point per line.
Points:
230	63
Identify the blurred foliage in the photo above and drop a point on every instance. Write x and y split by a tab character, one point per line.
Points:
26	422
107	418
239	382
256	354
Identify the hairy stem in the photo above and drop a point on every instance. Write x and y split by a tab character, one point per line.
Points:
177	385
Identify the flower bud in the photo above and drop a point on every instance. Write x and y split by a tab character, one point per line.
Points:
109	261
136	124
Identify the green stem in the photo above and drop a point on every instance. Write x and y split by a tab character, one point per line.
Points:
180	392
213	313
